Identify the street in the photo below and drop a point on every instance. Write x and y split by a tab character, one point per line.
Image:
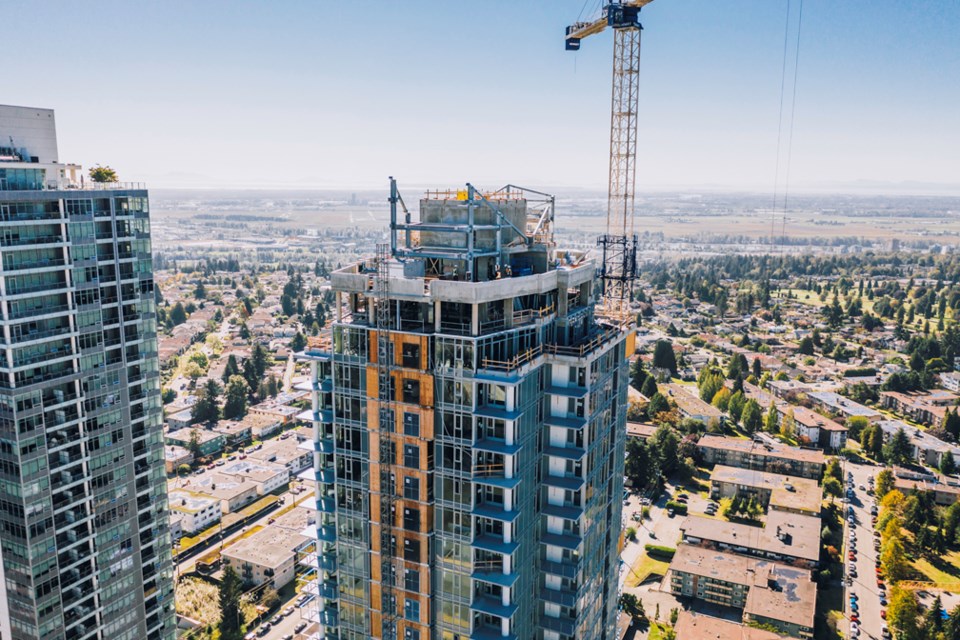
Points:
865	584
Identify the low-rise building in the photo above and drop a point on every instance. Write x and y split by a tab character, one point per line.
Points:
642	430
210	442
838	405
925	448
790	538
950	381
269	555
943	494
697	626
773	490
232	492
816	428
197	511
691	406
762	456
268	477
180	420
236	432
272	409
769	593
174	456
290	453
926	408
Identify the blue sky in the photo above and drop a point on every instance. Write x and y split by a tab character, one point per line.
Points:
343	94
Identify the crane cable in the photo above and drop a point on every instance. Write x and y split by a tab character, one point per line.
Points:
793	113
783	83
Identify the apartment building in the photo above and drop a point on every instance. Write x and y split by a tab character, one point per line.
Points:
773	490
769	593
762	456
790	538
469	426
197	511
84	540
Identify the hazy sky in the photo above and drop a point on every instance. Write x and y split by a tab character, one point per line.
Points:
343	94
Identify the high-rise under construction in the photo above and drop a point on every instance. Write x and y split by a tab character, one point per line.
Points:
469	417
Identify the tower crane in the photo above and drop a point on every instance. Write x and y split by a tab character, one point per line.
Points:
619	243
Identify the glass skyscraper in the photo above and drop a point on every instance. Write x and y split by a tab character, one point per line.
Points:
84	542
469	421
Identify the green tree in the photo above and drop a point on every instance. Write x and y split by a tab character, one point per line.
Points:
649	387
100	173
193	444
855	426
641	466
884	483
752	416
736	405
658	404
948	465
230	369
832	487
168	395
664	358
200	291
835	470
897	451
806	346
177	314
207	409
638	375
951	424
893	558
770	423
235	404
298	343
665	445
788	426
632	606
230	592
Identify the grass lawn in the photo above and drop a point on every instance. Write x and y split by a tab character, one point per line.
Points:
643	568
943	569
803	296
656	631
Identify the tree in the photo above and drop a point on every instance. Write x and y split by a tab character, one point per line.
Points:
235	405
709	383
168	395
832	487
722	399
757	368
649	387
177	314
230	592
638	375
893	558
948	466
834	470
658	404
193	444
806	346
897	451
298	343
788	426
641	466
903	611
183	470
770	422
230	369
855	426
632	606
664	358
951	424
665	445
206	409
99	173
752	416
736	405
200	291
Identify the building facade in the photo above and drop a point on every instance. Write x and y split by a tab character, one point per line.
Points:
469	424
84	537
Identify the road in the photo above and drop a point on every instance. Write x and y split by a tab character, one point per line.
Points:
865	584
289	623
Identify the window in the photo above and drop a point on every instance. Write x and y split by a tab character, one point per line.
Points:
411	580
411	456
411	634
411	550
411	424
411	391
411	356
411	519
411	610
411	488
